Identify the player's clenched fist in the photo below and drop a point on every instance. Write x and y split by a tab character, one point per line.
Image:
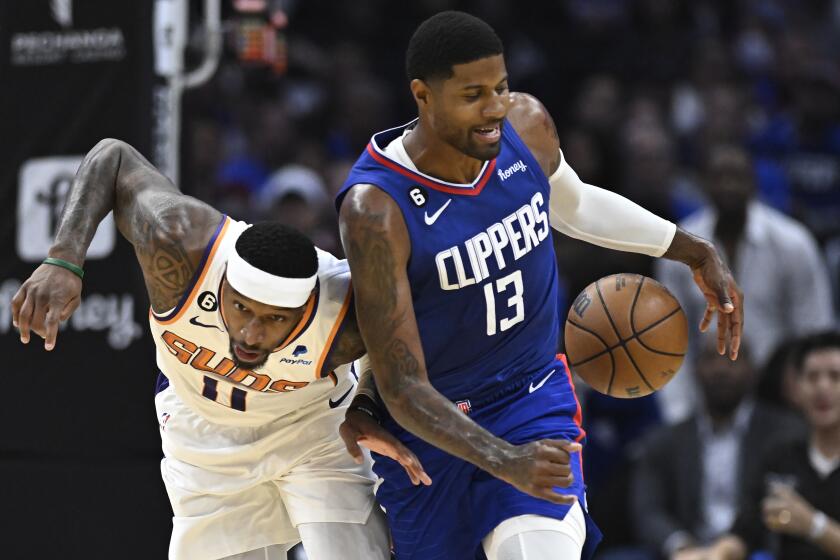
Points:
47	297
538	467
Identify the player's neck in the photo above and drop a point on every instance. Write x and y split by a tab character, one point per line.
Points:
827	441
435	157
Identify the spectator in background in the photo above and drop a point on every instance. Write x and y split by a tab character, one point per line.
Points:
597	114
794	501
832	257
777	383
296	195
805	138
688	479
710	67
774	257
652	176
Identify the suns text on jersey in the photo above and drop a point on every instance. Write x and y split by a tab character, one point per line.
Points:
202	359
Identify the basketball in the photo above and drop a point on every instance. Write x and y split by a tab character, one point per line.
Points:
626	335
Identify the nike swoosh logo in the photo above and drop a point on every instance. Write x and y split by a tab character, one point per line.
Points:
194	321
334	404
433	218
532	387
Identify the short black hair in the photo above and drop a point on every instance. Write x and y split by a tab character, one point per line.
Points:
446	39
279	250
828	340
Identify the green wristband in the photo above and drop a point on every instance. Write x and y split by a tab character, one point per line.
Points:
77	270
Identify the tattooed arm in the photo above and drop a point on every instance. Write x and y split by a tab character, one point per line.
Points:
350	347
169	232
377	246
361	426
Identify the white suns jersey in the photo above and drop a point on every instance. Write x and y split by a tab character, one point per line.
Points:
193	347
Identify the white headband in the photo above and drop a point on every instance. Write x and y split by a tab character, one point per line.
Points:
267	288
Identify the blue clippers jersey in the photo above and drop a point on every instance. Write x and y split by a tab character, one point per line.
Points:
482	270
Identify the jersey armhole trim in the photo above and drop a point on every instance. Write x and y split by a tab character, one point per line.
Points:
338	326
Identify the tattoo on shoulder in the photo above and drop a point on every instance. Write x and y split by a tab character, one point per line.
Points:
167	267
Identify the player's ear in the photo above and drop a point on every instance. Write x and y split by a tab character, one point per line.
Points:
420	90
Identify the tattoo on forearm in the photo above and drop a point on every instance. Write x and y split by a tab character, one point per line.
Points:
90	198
399	354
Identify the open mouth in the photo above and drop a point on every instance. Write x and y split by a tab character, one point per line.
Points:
488	134
821	406
245	355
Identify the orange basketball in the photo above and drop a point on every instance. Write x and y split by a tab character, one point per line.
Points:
626	335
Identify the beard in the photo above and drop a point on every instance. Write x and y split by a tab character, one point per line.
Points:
247	365
468	146
481	152
723	401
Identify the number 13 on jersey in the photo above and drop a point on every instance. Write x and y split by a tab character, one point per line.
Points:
502	287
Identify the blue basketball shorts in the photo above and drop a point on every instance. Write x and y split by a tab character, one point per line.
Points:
448	520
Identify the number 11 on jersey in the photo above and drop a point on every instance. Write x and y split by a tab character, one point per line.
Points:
501	287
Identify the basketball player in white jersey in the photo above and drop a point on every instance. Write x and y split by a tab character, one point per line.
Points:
255	334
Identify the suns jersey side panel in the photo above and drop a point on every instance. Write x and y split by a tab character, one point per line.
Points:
193	346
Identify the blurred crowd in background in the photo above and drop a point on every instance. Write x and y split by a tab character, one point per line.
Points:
721	115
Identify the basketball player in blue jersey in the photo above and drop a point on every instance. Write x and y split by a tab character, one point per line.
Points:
445	222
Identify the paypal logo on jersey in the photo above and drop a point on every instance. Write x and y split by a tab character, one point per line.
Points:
296	362
518	166
504	242
299	350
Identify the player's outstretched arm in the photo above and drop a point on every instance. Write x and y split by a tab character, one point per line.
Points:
604	218
376	241
362	428
361	421
168	231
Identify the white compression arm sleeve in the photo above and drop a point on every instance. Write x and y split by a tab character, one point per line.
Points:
604	218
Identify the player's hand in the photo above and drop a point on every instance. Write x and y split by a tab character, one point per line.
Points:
359	428
723	296
538	467
47	297
785	511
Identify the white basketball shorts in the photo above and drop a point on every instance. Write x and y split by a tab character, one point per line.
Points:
235	489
